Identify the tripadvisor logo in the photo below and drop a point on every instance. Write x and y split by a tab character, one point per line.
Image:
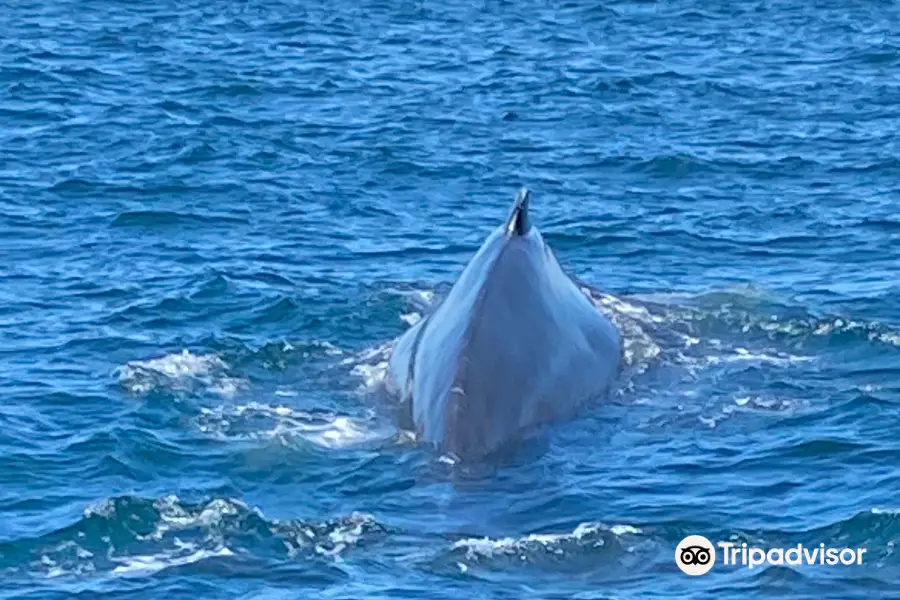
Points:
696	555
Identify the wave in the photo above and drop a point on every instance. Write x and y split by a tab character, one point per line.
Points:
132	535
137	536
535	547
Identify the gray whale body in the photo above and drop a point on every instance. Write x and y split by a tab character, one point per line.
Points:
515	345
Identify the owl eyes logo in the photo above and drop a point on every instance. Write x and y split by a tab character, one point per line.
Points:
695	555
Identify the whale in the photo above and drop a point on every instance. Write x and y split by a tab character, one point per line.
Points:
514	347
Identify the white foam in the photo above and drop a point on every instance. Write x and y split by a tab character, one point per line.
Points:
871	330
324	541
346	535
742	354
371	365
411	318
373	375
638	348
622	307
426	296
885	511
709	421
624	529
255	421
330	349
180	371
226	386
183	364
149	564
486	547
752	403
173	516
69	545
104	509
66	558
891	337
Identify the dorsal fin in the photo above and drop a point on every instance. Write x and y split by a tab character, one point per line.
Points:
518	222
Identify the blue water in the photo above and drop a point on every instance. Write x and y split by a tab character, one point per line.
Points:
217	217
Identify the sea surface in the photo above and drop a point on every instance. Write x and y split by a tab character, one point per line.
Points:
217	217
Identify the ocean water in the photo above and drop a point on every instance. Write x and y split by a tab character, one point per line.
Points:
216	218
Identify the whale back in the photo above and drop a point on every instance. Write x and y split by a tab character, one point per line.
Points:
514	345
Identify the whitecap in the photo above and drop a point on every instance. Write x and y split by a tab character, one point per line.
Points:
885	511
585	534
180	533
